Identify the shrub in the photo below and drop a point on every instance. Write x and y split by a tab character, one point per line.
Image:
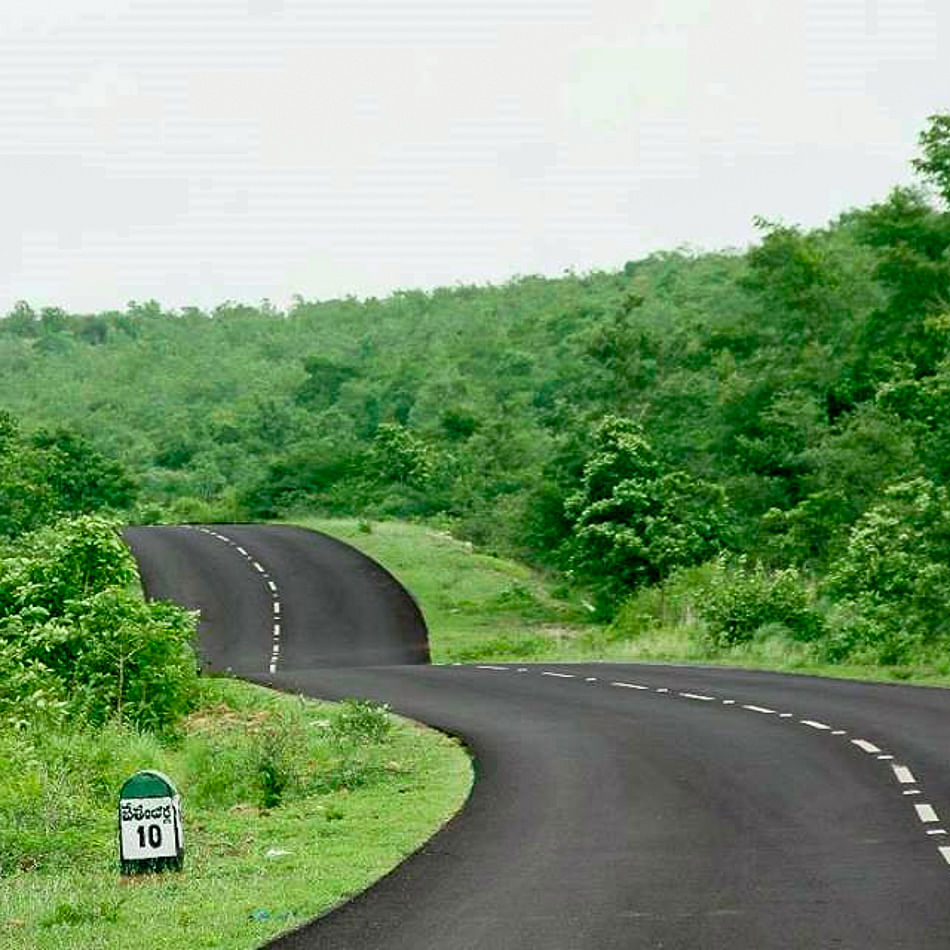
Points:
672	604
892	584
73	638
739	600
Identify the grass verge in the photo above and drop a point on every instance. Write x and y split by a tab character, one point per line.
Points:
291	806
477	606
482	608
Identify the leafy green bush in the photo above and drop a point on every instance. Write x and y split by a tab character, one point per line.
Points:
892	584
672	604
739	600
74	640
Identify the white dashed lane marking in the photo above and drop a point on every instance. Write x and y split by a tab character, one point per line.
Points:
925	812
275	646
904	775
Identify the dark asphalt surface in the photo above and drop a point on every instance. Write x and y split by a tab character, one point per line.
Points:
604	816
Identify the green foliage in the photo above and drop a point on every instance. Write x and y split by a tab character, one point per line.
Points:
271	757
49	474
740	600
934	163
674	604
82	479
633	522
74	642
360	721
892	583
397	455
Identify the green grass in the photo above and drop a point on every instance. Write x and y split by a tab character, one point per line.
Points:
354	803
482	608
477	606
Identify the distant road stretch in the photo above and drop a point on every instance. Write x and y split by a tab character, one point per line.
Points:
616	806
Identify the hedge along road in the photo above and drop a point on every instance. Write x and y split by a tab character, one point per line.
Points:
616	806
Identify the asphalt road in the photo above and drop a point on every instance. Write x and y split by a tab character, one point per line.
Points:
616	806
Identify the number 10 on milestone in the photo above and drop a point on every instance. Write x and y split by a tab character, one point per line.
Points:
150	829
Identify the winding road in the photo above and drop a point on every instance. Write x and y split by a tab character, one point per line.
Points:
616	805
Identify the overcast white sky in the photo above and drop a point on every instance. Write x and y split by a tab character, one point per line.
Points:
201	150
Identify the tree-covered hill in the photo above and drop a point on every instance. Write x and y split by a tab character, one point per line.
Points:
780	405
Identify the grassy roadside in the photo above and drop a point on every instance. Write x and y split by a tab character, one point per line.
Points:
358	790
477	606
485	608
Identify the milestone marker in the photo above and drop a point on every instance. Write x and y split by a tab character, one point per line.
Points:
150	828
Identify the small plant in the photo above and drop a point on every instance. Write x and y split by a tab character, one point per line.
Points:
276	752
518	599
72	914
361	721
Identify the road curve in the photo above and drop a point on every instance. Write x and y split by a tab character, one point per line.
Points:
334	605
617	806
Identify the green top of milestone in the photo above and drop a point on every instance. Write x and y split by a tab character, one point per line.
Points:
148	784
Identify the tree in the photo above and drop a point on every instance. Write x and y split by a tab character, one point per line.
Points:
325	379
21	320
934	164
83	479
632	521
398	455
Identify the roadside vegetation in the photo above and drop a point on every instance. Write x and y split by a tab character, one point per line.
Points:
291	807
487	608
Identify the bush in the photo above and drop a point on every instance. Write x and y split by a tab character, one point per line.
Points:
74	640
892	584
739	600
672	604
